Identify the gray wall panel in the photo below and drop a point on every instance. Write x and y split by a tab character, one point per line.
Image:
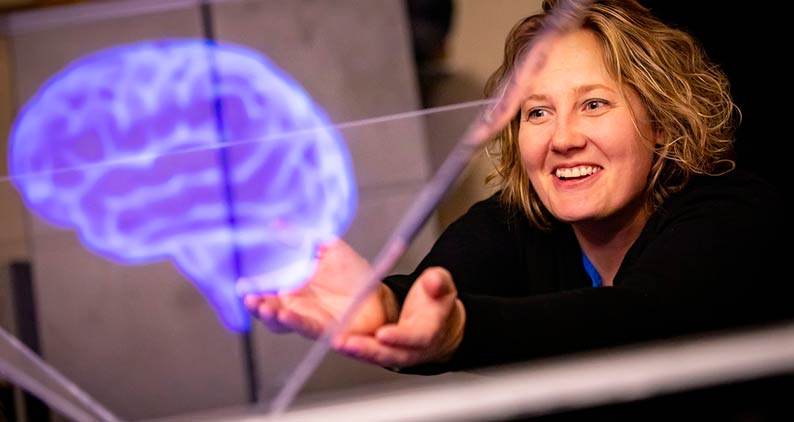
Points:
142	339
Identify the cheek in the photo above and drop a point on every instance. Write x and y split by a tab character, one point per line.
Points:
621	141
642	153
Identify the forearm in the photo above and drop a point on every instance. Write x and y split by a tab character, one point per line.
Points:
502	330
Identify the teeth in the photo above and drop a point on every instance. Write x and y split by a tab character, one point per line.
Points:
580	171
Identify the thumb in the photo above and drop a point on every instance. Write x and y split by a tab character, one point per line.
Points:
437	283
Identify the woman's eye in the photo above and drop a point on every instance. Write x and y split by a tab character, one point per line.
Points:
594	104
535	114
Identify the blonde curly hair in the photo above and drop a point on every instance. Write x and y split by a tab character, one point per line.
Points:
687	97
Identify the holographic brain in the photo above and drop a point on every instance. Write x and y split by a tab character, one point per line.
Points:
200	152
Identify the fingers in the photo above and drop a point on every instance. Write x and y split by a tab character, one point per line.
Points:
265	309
414	339
425	313
370	350
429	329
280	319
437	282
422	318
430	326
407	336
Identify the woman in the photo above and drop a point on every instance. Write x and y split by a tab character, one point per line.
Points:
620	215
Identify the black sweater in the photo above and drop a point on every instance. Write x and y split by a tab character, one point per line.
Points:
710	258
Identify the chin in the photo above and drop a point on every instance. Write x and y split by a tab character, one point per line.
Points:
573	217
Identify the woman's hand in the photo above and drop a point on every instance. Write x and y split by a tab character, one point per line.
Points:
311	309
429	329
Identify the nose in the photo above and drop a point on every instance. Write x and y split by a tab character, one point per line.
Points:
567	135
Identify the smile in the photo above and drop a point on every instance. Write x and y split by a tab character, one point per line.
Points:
574	172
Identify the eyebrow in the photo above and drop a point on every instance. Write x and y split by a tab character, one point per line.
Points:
592	87
583	89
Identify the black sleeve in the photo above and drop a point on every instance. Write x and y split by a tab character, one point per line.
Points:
508	316
712	259
704	262
480	245
502	330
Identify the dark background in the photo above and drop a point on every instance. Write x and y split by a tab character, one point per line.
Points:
750	41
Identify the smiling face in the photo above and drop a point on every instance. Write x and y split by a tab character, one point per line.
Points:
586	148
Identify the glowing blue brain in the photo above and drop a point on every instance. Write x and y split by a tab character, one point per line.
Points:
199	152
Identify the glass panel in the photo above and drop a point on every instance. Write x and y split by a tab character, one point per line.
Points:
158	152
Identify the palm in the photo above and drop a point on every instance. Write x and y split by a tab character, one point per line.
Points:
339	276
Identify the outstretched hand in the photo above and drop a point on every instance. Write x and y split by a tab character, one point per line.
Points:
323	299
428	329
